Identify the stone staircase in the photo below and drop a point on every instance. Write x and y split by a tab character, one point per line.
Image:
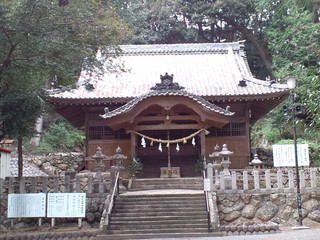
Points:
195	183
158	216
162	213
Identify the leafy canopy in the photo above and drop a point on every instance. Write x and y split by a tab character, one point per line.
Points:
45	40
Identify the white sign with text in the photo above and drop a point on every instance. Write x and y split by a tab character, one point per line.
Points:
26	205
284	156
62	205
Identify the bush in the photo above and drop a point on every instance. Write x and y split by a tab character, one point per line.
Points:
60	136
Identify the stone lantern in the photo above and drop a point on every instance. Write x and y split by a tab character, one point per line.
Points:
118	159
225	159
99	166
216	162
225	163
98	187
256	162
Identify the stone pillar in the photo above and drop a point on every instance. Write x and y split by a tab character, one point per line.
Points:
210	175
268	179
280	179
291	179
118	163
256	179
245	180
113	173
313	178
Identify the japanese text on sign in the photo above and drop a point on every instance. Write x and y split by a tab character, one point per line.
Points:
284	156
26	205
66	205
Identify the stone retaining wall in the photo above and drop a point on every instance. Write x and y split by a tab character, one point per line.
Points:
57	163
275	208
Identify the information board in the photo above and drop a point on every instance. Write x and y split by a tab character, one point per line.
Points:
284	156
62	205
25	205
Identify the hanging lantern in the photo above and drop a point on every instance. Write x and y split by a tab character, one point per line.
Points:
178	147
168	144
160	147
184	141
193	141
151	143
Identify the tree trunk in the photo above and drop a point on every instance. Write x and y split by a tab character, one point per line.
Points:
20	159
35	140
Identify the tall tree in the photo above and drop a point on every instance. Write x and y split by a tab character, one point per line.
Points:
281	36
291	28
43	40
185	21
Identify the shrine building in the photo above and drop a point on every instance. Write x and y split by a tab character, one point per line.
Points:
170	105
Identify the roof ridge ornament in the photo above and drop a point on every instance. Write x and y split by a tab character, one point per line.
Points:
167	84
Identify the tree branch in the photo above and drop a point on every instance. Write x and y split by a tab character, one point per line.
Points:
250	37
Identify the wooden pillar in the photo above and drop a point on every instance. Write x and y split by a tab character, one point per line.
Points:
247	121
87	112
133	143
203	143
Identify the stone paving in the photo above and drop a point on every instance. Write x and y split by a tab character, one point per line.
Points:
285	234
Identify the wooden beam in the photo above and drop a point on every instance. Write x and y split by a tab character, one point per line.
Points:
172	118
167	127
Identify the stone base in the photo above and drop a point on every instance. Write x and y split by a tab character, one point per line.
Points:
166	172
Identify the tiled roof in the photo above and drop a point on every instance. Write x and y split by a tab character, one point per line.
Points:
208	69
130	105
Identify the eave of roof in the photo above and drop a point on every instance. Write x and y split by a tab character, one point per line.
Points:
5	150
206	70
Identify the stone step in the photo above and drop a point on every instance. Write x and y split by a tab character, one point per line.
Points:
155	213
160	230
161	202
159	205
133	217
179	225
159	209
158	214
167	183
156	198
155	236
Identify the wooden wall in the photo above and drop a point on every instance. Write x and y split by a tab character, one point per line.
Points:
238	145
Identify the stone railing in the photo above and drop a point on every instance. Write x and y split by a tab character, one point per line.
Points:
265	181
83	182
96	188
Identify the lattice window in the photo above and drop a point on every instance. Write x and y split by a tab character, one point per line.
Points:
104	132
231	129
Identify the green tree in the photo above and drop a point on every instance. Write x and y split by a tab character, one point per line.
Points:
282	38
42	41
186	21
291	29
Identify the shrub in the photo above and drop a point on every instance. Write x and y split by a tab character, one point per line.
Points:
60	136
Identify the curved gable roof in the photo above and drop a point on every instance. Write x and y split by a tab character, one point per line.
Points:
130	105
